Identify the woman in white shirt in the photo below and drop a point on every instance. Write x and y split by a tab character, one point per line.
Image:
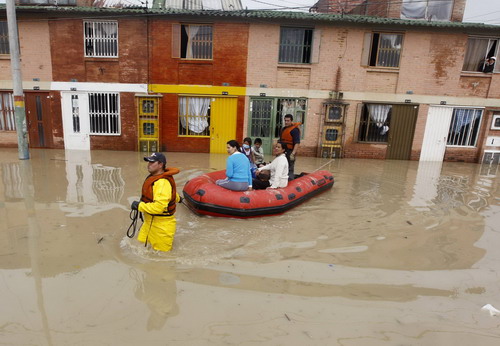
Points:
278	169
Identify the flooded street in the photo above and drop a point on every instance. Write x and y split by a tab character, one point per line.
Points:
397	253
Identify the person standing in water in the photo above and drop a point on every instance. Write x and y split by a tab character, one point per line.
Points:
158	203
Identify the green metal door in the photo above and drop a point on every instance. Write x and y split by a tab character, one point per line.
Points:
261	122
266	118
401	131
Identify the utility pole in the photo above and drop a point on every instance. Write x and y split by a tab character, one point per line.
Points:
17	82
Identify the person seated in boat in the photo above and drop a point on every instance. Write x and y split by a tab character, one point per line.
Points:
238	174
278	168
247	150
258	152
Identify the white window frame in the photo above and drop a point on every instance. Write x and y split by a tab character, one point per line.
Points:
457	135
487	53
103	44
104	114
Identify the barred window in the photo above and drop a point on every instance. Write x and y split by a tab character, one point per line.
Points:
7	114
4	38
464	127
104	112
374	123
382	49
194	116
196	42
295	45
101	39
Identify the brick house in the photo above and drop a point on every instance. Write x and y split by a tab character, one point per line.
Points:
363	87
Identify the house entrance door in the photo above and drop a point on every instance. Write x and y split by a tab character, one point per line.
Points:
38	117
223	113
76	121
402	129
436	133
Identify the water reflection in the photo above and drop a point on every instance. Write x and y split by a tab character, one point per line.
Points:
390	236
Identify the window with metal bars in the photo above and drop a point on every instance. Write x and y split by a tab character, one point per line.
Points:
101	39
104	113
261	115
383	49
196	42
7	113
295	45
464	127
194	116
4	38
374	123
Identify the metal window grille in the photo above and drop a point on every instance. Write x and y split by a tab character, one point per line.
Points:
261	115
464	127
104	112
295	45
371	130
4	38
101	39
7	113
196	41
386	49
194	116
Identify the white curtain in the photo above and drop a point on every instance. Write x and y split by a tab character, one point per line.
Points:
193	30
476	51
195	110
379	113
427	9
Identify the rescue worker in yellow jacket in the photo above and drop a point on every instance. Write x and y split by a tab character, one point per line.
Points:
158	203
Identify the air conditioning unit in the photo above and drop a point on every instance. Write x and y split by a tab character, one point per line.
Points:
335	113
332	135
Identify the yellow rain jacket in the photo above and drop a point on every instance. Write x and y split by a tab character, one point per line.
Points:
158	229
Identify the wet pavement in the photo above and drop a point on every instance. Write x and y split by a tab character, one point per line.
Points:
397	253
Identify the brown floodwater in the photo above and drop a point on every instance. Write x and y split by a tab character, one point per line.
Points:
397	253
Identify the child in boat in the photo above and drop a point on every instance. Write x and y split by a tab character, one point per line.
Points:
246	149
258	152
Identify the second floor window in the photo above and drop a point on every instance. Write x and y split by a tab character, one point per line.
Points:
479	51
382	49
427	9
192	41
295	45
101	39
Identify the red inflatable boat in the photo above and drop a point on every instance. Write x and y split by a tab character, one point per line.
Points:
203	196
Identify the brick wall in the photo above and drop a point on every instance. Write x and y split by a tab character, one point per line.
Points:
227	66
69	61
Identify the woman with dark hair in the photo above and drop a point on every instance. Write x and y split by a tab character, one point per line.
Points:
278	170
238	174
